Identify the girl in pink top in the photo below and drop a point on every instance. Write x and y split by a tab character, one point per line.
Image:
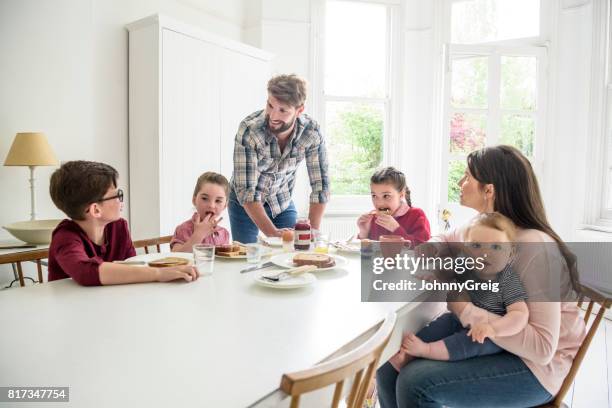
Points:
537	358
209	199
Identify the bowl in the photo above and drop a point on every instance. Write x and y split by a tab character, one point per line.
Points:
33	232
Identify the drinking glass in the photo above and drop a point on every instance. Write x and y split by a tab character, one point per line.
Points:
204	258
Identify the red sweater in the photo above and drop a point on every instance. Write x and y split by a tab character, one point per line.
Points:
413	225
73	255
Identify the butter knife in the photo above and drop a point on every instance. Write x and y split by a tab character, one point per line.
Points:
256	267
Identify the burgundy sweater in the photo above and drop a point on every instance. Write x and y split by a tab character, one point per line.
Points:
413	225
73	255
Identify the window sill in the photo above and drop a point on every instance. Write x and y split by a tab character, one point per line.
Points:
596	233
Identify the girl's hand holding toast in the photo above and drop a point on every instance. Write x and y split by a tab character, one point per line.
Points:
387	222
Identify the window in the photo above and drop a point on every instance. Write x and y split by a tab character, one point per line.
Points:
354	103
598	204
494	91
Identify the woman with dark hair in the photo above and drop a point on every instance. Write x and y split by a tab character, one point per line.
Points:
538	358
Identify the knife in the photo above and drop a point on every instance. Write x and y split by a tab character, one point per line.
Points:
256	267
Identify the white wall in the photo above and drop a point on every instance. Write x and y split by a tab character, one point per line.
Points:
64	71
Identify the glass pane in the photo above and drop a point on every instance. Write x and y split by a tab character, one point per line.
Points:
518	83
475	21
456	168
467	132
518	131
469	82
609	205
355	141
355	49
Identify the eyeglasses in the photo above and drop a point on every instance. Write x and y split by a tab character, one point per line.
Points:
119	195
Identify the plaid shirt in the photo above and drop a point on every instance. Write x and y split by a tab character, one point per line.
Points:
262	173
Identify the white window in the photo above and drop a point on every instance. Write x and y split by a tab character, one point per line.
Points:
598	204
494	87
353	101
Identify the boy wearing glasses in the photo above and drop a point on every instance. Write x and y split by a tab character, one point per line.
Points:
84	246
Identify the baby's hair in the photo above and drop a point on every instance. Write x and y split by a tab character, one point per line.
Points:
495	221
391	175
214	178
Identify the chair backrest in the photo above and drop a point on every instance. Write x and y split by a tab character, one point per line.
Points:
604	302
146	243
19	257
360	362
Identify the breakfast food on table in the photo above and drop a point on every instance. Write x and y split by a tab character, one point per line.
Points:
231	251
318	260
383	211
224	249
168	261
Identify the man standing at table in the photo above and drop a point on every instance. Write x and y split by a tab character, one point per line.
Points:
269	146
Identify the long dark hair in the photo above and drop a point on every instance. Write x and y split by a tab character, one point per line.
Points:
517	193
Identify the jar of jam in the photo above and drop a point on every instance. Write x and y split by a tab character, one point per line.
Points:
302	235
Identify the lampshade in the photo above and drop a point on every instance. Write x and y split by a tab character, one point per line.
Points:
30	149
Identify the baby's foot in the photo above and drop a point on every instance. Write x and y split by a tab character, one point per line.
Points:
398	360
415	346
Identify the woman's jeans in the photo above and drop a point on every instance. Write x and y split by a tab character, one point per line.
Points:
489	381
245	230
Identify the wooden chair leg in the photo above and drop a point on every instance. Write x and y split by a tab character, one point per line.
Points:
354	389
158	249
39	268
20	274
587	314
337	394
146	250
295	401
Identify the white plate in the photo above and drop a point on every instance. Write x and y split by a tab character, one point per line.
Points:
272	241
152	257
349	248
286	261
265	252
300	281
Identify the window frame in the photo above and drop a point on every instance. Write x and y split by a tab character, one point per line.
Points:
528	46
354	204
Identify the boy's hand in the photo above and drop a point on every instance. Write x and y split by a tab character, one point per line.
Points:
171	273
387	222
481	331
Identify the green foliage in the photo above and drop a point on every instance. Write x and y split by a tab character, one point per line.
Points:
456	168
356	140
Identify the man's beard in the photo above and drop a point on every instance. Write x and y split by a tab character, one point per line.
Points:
284	127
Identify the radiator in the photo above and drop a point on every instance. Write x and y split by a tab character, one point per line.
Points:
339	228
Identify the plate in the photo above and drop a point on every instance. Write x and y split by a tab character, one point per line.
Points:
264	253
286	261
353	247
272	241
300	281
152	257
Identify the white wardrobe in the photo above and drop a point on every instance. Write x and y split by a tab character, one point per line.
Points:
188	92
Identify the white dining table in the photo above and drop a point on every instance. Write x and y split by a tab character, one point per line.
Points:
221	341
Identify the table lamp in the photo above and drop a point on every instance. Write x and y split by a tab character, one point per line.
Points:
31	149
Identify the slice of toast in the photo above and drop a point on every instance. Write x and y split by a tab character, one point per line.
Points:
168	261
318	260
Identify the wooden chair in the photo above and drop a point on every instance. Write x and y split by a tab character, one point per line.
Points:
146	243
604	302
360	362
19	257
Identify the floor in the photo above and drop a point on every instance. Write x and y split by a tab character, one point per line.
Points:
593	385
